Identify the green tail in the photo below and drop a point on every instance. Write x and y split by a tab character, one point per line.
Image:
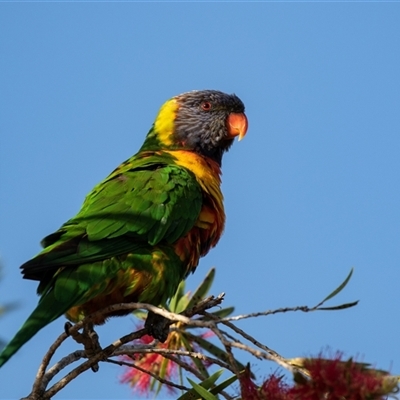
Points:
47	311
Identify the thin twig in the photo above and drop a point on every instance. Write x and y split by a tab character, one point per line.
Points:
120	346
268	312
60	365
164	352
234	368
39	384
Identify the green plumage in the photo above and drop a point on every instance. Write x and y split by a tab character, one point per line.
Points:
129	241
146	201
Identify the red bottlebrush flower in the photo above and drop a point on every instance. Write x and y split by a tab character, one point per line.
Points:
328	379
152	362
337	380
248	389
156	364
272	389
275	389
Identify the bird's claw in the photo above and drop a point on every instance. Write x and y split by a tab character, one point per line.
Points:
89	338
67	327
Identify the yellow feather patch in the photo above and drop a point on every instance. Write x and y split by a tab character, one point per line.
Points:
207	172
75	314
164	124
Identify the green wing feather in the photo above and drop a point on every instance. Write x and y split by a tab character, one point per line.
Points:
143	207
146	201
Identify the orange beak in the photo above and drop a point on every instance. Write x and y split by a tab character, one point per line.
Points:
237	125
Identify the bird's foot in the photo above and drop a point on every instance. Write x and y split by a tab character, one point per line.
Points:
90	340
157	326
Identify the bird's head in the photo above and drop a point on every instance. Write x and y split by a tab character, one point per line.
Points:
205	121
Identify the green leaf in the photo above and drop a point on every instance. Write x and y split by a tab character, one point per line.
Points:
210	381
223	385
204	393
197	362
206	384
190	395
225	312
162	374
180	292
339	307
203	288
182	303
339	288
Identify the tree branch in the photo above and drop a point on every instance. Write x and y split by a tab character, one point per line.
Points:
229	340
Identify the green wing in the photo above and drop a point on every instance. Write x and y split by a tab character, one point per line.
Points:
126	222
148	200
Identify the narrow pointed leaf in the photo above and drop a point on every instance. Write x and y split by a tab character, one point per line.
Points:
203	288
204	393
180	292
207	383
200	366
182	303
223	385
225	312
339	307
163	372
339	288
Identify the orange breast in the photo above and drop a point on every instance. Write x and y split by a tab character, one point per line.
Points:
210	223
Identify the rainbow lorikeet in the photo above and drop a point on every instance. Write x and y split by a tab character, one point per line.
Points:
142	230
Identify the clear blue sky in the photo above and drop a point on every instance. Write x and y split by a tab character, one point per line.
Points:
312	191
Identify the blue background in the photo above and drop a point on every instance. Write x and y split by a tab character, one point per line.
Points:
312	191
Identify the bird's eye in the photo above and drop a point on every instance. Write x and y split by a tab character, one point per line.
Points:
206	106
